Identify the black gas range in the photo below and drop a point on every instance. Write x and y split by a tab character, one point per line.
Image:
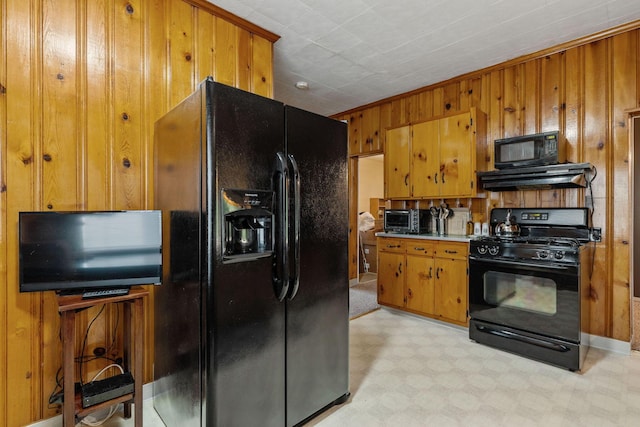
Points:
528	290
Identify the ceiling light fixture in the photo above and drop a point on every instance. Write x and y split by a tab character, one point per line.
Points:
302	85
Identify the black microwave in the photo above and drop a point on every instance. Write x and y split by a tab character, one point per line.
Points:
407	221
540	149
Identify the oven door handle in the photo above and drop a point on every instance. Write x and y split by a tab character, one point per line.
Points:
546	266
522	338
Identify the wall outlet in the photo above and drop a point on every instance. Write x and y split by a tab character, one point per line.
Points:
366	251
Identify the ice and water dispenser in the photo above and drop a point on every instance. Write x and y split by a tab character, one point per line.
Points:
248	222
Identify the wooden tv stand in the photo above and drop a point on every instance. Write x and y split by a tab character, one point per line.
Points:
132	358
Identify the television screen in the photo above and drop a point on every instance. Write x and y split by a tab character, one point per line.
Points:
65	251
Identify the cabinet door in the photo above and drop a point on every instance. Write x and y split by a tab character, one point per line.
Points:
425	174
451	289
391	273
396	163
420	284
455	155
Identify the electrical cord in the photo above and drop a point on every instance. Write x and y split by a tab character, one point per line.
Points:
84	341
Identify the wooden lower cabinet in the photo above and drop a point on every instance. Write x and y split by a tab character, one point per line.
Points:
426	277
391	272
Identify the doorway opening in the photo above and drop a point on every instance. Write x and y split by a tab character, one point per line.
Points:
370	197
367	196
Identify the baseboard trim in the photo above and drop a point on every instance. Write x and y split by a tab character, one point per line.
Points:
610	344
147	393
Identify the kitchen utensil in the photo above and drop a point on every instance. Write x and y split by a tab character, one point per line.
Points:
508	228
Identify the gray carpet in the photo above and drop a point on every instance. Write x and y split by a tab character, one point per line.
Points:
362	298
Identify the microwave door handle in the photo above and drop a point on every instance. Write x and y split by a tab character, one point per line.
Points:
294	282
281	261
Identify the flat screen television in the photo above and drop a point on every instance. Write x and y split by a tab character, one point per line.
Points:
72	252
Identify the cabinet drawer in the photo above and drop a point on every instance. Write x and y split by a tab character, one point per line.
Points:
455	250
420	247
391	245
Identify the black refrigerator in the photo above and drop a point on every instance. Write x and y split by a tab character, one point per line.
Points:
251	321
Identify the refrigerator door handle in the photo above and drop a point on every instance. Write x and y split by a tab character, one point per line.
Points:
294	281
281	258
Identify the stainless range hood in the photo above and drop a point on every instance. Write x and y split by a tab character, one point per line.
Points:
566	175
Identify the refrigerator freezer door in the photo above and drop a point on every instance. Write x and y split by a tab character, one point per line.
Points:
219	330
318	315
245	331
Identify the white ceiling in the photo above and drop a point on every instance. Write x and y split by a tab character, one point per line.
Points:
354	52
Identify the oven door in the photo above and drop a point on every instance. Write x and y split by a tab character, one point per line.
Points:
541	298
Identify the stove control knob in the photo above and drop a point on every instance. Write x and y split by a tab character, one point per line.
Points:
543	254
559	255
493	250
482	250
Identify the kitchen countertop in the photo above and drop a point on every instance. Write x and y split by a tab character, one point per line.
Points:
448	237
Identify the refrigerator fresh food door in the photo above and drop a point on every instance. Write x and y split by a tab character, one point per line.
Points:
318	314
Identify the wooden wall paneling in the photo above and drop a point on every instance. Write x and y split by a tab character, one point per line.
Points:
397	113
226	56
551	117
438	101
487	100
205	45
624	81
129	190
22	311
420	106
243	60
573	115
261	66
470	93
354	137
62	154
596	149
154	104
512	98
531	115
385	122
370	130
551	113
355	123
3	214
181	78
451	97
96	97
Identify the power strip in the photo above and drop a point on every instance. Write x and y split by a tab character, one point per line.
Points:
100	391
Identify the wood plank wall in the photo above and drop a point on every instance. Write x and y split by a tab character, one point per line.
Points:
81	85
584	89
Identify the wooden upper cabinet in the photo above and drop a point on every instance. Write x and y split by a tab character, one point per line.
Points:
443	155
425	158
457	165
396	163
364	132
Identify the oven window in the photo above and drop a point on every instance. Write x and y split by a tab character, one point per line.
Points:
527	293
